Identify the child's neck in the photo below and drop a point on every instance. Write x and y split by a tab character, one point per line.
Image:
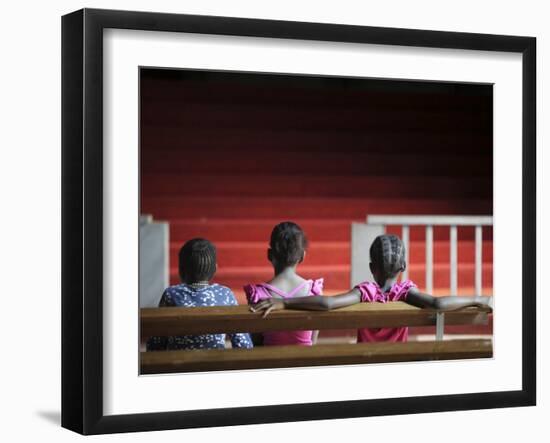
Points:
386	284
287	272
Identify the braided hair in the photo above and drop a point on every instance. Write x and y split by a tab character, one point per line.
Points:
288	244
387	254
197	261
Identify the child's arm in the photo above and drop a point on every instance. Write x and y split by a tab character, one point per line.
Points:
447	303
311	303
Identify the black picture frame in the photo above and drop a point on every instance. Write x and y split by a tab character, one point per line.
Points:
82	219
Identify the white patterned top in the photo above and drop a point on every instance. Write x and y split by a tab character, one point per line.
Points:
185	295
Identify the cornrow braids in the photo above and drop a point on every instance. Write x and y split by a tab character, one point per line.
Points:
387	253
197	261
288	243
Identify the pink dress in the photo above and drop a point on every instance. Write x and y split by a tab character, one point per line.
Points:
371	293
262	291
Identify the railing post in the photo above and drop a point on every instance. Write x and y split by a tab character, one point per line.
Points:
439	325
453	260
479	260
405	239
429	259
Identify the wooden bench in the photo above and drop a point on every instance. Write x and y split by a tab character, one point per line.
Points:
318	355
227	319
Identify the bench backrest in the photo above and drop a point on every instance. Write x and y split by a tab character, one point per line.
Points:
226	319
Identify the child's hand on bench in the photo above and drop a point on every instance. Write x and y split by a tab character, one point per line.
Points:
272	304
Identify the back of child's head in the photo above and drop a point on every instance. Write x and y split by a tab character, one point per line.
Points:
197	261
288	244
387	255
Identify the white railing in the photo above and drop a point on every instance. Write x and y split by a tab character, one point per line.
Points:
363	234
429	221
154	260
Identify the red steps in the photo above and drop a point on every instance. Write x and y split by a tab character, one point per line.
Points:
326	186
288	208
445	164
259	230
332	253
256	230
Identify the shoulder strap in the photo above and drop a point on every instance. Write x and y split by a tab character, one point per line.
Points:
300	286
274	289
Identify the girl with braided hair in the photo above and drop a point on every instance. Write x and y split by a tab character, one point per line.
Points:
387	254
197	266
287	249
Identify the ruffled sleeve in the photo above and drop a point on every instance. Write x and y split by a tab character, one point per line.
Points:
317	286
370	292
400	290
255	293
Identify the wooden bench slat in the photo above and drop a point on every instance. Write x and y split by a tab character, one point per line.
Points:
226	319
320	355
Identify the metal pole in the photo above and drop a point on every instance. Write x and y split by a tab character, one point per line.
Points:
429	259
454	260
405	235
439	325
479	260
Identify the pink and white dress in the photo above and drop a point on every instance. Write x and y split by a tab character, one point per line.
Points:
258	292
371	293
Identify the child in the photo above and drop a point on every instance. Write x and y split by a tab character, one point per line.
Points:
287	249
387	254
197	266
